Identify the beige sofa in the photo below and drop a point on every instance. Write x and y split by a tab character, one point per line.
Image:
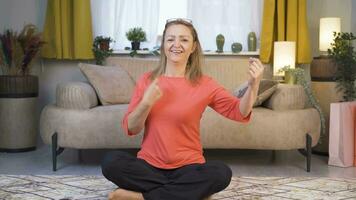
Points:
282	123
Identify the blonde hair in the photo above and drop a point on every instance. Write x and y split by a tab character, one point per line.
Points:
193	71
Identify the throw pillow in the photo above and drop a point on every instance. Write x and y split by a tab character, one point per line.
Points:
113	85
265	90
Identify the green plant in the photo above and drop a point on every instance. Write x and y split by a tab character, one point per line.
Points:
136	34
299	74
17	51
101	49
343	53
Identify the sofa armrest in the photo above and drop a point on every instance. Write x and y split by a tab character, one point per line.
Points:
287	97
76	95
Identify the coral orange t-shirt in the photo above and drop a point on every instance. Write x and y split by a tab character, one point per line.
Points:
172	133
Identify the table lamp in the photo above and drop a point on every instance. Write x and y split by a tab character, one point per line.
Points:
322	68
328	26
283	55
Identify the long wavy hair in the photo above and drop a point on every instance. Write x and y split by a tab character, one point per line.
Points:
193	71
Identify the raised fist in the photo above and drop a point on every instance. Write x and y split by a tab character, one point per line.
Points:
152	93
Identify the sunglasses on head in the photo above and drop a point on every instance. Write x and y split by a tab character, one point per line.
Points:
179	20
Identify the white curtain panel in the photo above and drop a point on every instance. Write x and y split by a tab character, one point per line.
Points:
232	18
115	17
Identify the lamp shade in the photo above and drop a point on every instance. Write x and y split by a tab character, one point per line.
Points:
328	26
284	54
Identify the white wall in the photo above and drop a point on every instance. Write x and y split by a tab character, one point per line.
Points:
329	8
15	13
353	16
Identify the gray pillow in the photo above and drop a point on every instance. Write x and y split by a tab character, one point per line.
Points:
113	85
265	90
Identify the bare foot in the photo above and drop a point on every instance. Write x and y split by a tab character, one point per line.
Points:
122	194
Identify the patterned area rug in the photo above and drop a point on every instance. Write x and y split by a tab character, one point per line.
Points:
96	187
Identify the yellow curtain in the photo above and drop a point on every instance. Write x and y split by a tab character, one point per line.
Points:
285	20
68	30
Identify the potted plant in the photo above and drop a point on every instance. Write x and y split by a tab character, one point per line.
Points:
101	49
343	54
290	74
297	76
136	35
18	89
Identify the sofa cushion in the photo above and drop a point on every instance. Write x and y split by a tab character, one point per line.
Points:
287	97
112	84
265	90
76	95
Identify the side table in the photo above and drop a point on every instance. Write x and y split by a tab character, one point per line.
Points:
322	71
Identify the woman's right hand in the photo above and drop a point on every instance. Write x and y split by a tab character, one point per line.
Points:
152	93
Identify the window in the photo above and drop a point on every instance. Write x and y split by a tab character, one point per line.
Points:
234	19
171	9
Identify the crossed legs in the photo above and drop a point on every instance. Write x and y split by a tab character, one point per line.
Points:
138	180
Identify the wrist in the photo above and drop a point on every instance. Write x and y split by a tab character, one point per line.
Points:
254	85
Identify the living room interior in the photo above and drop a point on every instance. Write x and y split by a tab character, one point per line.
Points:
299	144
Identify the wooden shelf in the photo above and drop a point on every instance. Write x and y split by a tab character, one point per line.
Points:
208	53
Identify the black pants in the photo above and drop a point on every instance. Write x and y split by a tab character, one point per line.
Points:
190	182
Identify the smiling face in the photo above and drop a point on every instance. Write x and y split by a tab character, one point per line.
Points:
180	48
178	44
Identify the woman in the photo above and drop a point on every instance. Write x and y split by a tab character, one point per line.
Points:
168	102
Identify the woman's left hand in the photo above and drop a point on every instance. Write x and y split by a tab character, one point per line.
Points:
255	72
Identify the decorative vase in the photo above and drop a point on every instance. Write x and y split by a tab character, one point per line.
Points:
135	45
251	41
289	78
220	40
236	47
18	107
